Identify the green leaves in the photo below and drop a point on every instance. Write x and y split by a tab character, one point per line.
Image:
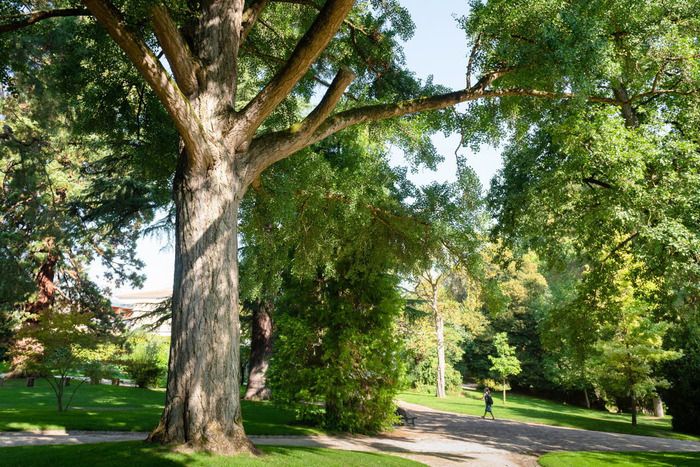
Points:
505	363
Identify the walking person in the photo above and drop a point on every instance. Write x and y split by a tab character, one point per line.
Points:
488	400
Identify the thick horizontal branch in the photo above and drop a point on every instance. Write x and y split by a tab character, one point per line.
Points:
276	146
272	147
13	23
377	112
176	50
148	65
307	50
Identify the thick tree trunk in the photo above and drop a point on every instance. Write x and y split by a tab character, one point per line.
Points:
260	351
658	407
440	333
46	288
202	408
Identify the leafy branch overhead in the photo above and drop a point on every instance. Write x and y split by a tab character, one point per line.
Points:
244	125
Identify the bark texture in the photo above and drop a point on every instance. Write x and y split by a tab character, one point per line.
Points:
260	351
202	407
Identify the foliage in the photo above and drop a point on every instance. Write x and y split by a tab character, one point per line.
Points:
100	361
147	360
57	349
584	185
513	297
624	366
505	363
336	346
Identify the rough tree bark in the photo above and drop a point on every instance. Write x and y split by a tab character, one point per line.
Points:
260	351
202	408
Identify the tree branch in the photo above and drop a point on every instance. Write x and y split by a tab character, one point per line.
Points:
594	181
250	16
621	245
22	21
185	119
270	148
273	147
314	5
307	50
176	50
351	117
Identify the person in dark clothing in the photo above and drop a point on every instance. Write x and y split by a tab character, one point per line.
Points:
488	400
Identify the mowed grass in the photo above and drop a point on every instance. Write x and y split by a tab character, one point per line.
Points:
136	453
117	408
531	409
619	459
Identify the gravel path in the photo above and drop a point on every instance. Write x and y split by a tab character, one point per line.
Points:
438	439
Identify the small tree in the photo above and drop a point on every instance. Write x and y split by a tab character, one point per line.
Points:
505	364
625	366
60	340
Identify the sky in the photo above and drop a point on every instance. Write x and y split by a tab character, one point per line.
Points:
438	48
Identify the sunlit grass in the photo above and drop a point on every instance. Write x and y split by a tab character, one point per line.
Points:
137	453
531	409
619	459
117	408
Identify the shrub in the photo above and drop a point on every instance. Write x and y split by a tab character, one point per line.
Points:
99	361
423	376
145	364
336	357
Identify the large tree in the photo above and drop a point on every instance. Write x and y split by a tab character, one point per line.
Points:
215	48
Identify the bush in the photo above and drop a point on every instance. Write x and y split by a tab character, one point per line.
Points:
99	361
336	357
492	384
423	376
145	364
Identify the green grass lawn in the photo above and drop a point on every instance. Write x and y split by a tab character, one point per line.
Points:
619	459
116	408
531	409
136	453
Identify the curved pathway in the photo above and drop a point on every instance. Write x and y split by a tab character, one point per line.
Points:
439	438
